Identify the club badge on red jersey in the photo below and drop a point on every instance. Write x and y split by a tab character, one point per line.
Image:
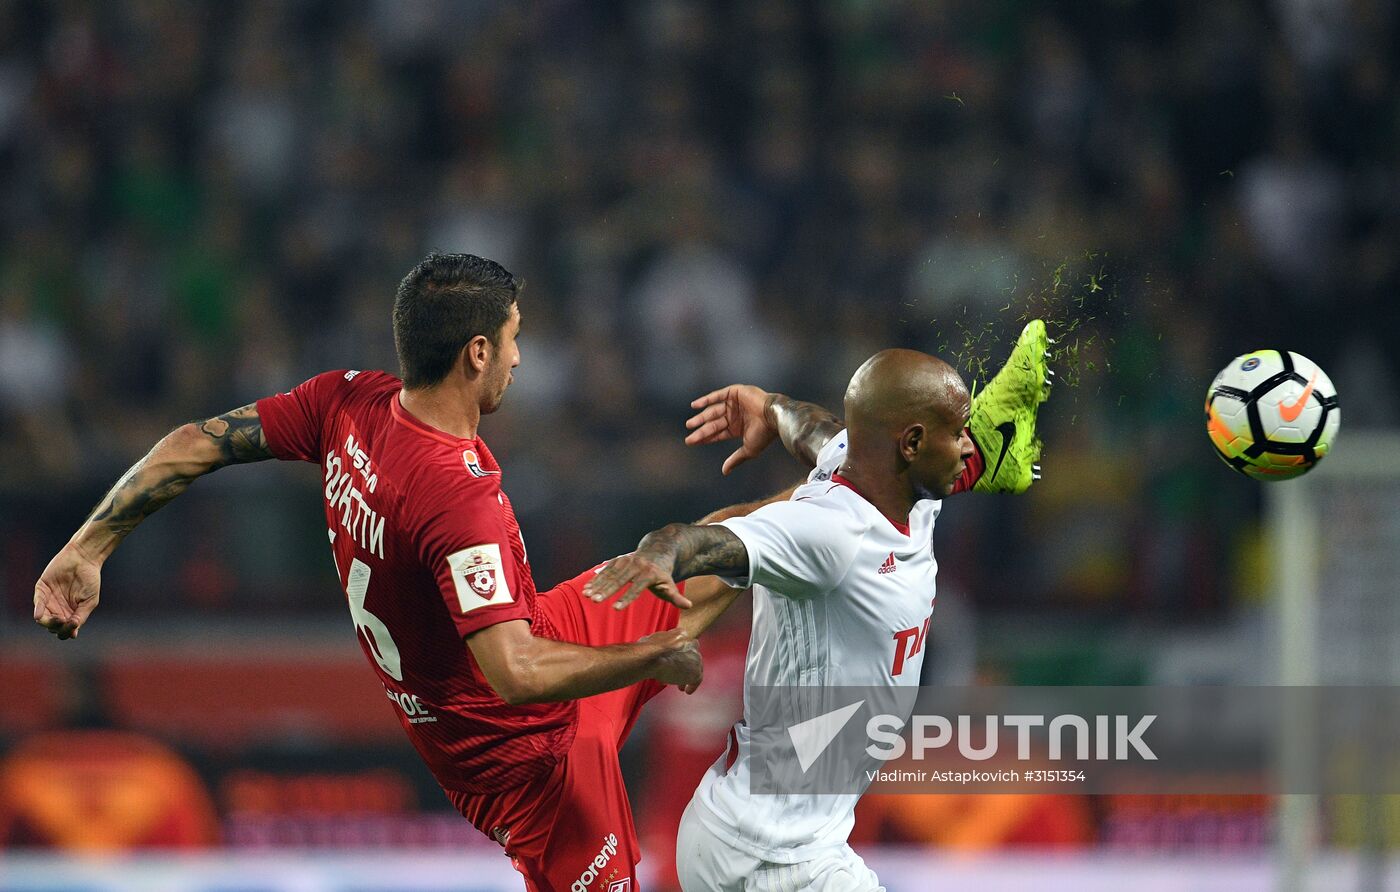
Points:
483	582
479	577
473	463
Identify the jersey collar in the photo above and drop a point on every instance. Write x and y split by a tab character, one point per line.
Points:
842	481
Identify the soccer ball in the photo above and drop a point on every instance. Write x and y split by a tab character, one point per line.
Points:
1272	414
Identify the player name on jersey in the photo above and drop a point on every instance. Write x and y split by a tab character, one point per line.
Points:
398	503
347	502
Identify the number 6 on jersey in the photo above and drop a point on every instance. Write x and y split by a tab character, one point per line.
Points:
381	643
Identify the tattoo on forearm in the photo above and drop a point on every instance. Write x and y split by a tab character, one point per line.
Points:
699	550
137	495
239	435
158	477
804	427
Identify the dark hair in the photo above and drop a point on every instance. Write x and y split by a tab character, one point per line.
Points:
443	303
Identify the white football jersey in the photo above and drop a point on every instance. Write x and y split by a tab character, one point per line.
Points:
842	596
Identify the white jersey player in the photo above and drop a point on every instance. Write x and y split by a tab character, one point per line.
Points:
843	587
842	596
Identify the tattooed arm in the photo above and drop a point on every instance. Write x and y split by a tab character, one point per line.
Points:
803	427
710	595
757	418
676	551
67	592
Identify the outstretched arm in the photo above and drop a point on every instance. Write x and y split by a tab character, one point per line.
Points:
710	596
67	592
523	668
757	418
676	551
804	427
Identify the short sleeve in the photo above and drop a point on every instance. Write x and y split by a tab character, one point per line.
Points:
799	549
464	542
292	421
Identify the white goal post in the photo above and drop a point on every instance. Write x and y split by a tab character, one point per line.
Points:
1335	540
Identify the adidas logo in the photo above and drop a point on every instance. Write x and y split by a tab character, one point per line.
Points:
888	565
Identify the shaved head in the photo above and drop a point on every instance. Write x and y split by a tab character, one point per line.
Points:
896	388
905	417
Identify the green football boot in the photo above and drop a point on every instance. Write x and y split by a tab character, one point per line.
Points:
1003	415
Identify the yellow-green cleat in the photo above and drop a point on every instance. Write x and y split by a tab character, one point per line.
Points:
1003	415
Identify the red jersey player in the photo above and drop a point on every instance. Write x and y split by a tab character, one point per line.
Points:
522	725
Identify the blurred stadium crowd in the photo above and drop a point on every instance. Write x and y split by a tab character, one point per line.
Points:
205	203
202	203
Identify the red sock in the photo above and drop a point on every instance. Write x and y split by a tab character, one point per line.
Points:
973	472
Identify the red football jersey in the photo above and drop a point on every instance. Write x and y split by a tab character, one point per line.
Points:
428	551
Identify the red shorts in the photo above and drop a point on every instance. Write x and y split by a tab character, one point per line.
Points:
571	830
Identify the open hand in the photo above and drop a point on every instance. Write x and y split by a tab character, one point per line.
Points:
633	574
739	410
67	592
